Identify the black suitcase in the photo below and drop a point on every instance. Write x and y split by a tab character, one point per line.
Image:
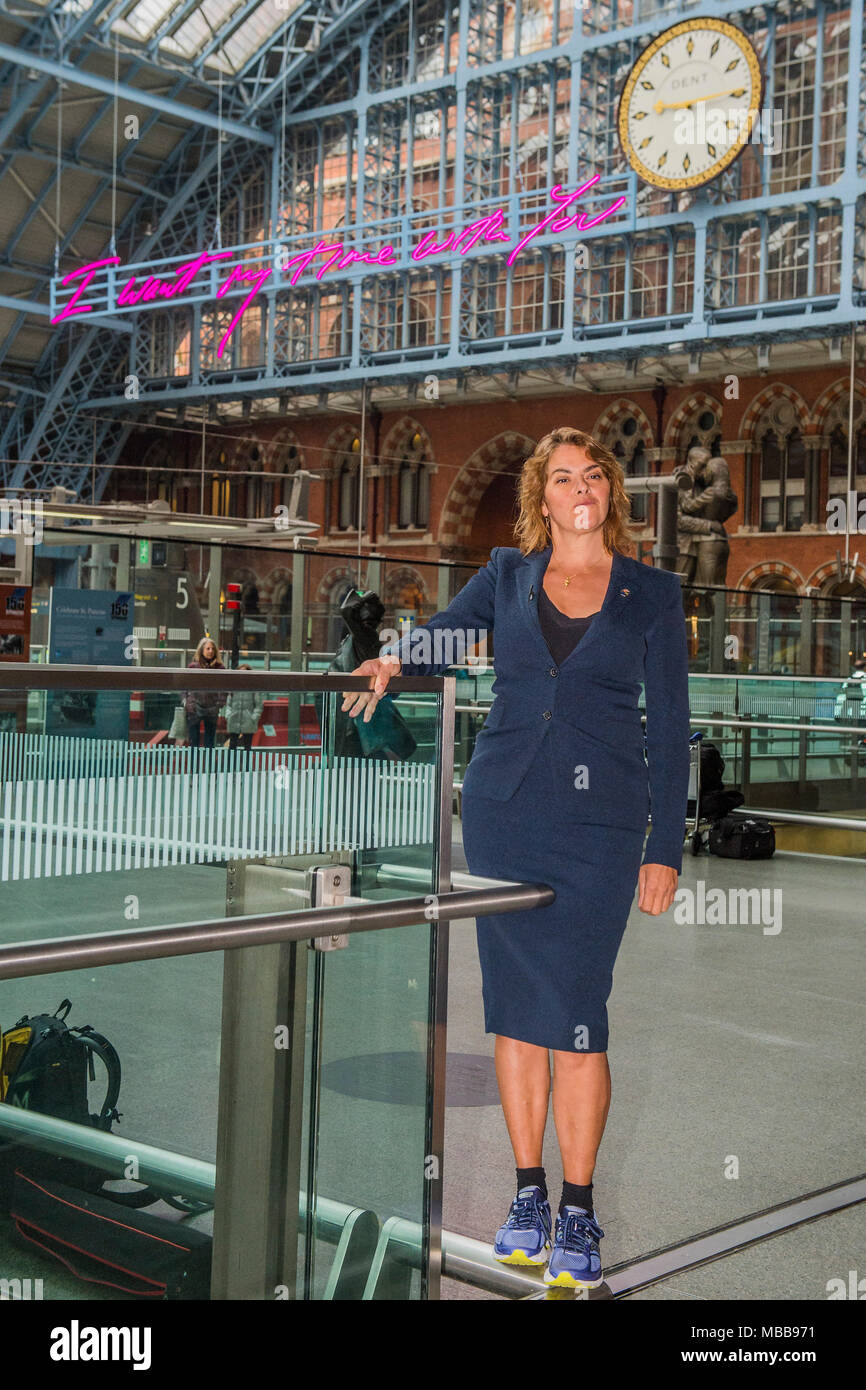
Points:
742	837
104	1243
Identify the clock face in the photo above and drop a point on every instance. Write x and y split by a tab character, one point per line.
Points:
690	102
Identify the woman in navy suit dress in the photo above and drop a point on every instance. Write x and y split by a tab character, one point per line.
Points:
557	791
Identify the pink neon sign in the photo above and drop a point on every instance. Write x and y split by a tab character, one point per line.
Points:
489	230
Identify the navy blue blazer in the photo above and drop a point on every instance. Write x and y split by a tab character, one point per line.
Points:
605	773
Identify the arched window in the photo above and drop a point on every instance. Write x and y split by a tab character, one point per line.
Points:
783	473
782	463
703	432
413	486
221	487
836	428
624	439
347	469
348	508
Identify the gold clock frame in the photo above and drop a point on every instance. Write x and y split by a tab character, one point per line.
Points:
687	26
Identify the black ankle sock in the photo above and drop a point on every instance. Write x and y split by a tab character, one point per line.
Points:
573	1195
532	1177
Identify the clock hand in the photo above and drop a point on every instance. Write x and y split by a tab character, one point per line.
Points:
661	106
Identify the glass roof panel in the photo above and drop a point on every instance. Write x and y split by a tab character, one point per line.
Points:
255	31
206	22
202	27
194	34
147	16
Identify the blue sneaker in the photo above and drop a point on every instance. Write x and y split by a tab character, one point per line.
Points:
575	1262
525	1237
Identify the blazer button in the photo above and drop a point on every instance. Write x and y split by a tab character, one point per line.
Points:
547	714
553	671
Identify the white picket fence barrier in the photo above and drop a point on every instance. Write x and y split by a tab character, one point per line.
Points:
211	810
56	756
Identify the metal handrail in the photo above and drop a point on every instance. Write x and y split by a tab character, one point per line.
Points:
741	722
744	722
802	818
754	676
61	677
22	959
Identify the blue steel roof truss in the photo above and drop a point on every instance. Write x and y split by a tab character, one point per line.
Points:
479	93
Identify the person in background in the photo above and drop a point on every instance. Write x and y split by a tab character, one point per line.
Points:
849	701
243	712
203	706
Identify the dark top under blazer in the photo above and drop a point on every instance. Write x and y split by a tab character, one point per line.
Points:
588	706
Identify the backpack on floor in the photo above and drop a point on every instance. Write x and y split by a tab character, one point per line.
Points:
742	837
61	1205
46	1066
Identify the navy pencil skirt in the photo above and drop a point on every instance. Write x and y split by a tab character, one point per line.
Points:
547	972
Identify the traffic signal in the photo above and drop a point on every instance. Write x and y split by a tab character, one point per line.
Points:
233	598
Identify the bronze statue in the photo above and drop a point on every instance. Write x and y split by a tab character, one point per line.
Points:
701	514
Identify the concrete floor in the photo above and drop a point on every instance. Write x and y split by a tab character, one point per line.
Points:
729	1047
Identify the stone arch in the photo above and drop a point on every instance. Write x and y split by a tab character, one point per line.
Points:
473	480
775	393
273	584
276	451
612	416
337	577
248	454
401	432
398	580
827	571
340	441
754	577
220	445
684	417
835	395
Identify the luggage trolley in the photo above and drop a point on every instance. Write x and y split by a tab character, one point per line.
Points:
695	823
694	793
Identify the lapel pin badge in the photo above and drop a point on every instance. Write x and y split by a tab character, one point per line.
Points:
625	592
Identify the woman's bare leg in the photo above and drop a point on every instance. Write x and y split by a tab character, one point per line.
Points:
523	1074
581	1100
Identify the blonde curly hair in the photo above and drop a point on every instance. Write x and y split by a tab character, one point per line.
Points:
532	531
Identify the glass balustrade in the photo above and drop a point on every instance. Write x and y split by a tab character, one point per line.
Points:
257	1077
292	617
288	1098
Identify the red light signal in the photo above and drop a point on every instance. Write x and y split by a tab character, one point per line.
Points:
233	597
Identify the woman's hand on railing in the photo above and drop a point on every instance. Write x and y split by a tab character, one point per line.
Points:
382	668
